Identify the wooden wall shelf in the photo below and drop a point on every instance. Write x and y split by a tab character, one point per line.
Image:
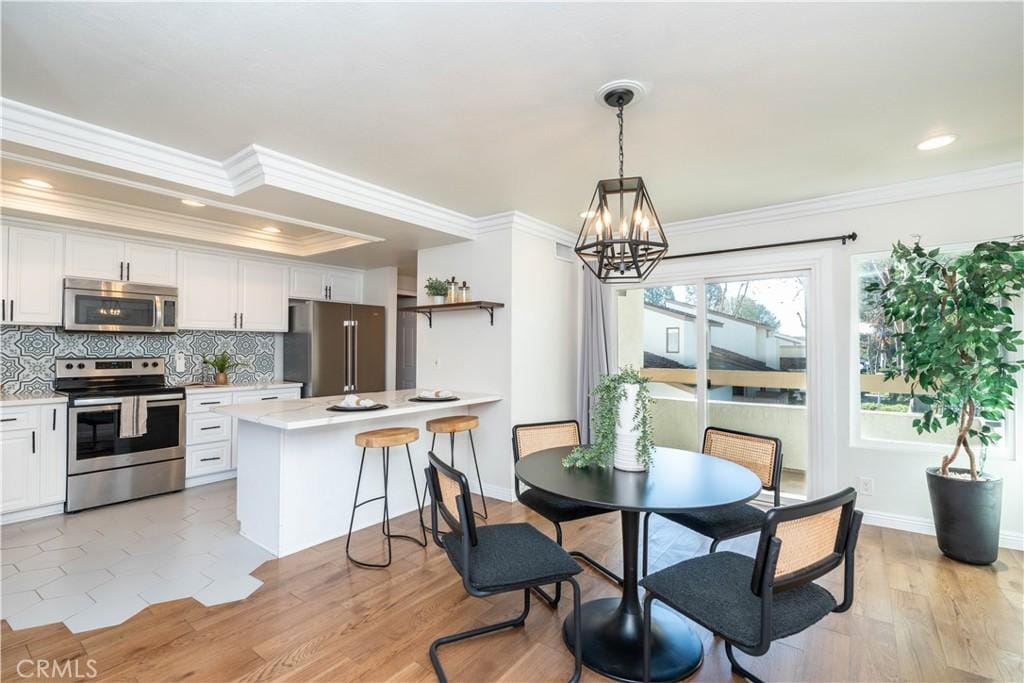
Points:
429	310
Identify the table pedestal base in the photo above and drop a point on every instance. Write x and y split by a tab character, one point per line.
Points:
613	642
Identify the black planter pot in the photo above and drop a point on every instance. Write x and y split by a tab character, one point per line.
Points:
966	515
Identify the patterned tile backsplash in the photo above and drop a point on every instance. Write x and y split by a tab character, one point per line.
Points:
28	353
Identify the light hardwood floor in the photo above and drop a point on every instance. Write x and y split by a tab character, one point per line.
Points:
917	617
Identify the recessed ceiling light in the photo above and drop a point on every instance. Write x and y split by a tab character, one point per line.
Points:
37	183
192	203
271	229
936	142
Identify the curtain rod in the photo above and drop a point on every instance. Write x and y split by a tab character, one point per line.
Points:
851	237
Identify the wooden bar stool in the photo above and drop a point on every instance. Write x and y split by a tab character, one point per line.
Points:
451	426
384	439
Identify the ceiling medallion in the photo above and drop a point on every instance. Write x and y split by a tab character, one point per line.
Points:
621	239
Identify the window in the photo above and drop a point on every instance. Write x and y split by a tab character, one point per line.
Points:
885	410
671	340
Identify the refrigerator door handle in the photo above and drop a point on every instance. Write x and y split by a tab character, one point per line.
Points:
355	354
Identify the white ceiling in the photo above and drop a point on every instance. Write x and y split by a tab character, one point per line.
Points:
487	108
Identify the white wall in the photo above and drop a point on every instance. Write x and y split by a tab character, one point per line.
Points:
900	488
380	288
528	356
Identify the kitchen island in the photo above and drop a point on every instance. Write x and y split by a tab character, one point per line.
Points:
298	464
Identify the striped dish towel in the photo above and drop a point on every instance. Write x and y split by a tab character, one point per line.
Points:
133	417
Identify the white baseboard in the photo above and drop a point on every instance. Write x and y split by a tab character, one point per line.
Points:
32	513
210	478
499	492
923	525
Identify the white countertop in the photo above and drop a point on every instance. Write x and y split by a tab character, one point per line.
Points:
31	398
240	386
312	412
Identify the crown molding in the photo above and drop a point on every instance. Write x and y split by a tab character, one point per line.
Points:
517	220
157	189
252	167
978	179
68	206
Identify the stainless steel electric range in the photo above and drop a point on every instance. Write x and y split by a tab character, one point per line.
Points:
104	467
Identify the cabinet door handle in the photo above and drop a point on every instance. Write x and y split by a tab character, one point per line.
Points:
128	270
8	419
209	403
207	459
269	398
330	292
33	441
121	274
241	321
3	315
206	429
54	428
235	324
12	310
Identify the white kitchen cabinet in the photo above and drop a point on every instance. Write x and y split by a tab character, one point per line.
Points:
33	462
262	296
208	458
207	291
151	265
32	277
53	463
102	258
307	283
343	285
19	468
325	284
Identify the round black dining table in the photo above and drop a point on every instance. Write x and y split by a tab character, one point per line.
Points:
677	481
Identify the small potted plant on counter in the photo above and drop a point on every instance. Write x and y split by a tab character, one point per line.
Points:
437	290
952	318
221	363
621	424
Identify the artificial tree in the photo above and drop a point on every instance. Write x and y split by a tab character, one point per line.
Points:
953	330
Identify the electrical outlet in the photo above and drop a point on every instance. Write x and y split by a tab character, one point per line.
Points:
867	486
179	361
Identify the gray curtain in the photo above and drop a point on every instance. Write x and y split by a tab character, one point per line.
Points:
594	349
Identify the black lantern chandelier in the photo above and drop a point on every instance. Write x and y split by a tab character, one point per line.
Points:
621	239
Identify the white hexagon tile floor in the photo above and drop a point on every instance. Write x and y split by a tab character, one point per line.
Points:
99	567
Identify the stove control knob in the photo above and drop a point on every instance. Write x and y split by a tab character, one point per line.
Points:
156	364
68	366
145	364
81	366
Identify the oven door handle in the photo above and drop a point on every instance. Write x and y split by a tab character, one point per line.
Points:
157	398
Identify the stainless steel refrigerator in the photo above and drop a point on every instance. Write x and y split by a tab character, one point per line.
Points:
335	348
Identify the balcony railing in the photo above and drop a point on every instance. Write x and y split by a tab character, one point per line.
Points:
870	384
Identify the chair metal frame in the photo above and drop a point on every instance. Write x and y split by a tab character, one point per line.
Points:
466	526
385	525
552	600
476	465
765	584
776	486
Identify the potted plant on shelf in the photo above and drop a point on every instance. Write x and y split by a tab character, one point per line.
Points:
221	363
621	424
952	324
437	290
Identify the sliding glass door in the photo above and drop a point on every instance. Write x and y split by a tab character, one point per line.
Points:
726	353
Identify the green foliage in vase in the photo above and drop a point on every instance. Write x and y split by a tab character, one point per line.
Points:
436	287
220	362
953	321
607	396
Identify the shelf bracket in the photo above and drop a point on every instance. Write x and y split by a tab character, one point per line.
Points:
490	311
430	317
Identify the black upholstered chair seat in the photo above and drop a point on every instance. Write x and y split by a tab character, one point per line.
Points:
723	522
714	590
556	508
509	556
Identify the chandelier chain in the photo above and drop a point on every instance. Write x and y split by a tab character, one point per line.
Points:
621	156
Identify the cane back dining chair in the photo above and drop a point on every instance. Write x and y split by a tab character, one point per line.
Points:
751	601
497	558
527	439
760	454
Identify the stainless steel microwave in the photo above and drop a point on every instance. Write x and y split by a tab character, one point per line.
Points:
110	306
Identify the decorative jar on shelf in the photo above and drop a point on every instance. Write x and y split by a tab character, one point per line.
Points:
453	291
464	294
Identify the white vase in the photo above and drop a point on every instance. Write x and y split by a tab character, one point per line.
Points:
437	300
625	435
